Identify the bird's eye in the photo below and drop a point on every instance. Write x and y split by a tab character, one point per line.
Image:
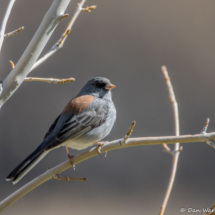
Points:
100	84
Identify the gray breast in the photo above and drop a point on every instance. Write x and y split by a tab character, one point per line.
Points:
98	133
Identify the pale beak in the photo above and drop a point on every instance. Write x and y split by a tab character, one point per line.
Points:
109	86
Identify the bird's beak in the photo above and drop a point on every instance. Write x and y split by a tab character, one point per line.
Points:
109	86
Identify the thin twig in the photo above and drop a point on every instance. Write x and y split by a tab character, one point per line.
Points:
57	177
14	32
177	149
4	21
50	80
61	41
204	130
128	133
89	9
65	34
63	16
116	144
130	130
211	211
12	64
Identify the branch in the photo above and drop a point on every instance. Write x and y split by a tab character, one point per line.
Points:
50	80
57	177
4	21
211	210
65	34
14	32
206	126
64	16
12	64
89	9
176	150
35	47
116	144
129	133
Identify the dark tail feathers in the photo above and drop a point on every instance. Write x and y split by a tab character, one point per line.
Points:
25	166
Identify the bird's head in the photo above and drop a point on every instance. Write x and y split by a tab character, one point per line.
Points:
99	87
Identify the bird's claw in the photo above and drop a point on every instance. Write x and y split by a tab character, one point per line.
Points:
70	158
100	144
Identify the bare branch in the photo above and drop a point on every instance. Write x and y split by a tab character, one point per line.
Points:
177	149
208	141
57	177
63	16
4	21
89	9
61	41
14	32
170	151
129	132
116	144
12	64
32	52
206	126
50	80
211	211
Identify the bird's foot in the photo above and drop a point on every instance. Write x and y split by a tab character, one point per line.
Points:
70	158
100	144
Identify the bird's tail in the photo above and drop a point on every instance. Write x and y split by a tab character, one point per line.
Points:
23	168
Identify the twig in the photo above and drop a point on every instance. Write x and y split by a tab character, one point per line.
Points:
177	149
206	126
128	133
61	41
171	151
116	144
89	9
57	177
12	64
34	49
63	16
208	141
50	80
123	142
4	21
14	32
211	211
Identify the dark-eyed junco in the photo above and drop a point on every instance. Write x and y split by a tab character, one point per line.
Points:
86	119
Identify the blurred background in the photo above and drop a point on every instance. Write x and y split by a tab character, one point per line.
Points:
127	42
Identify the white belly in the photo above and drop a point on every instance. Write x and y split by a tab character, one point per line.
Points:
76	144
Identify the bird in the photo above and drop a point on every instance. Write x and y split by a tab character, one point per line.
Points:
85	120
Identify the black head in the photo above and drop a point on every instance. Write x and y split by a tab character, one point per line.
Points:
98	86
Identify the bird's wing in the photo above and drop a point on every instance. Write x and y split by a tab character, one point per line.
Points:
76	121
52	127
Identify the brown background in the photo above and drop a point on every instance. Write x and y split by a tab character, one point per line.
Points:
127	42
